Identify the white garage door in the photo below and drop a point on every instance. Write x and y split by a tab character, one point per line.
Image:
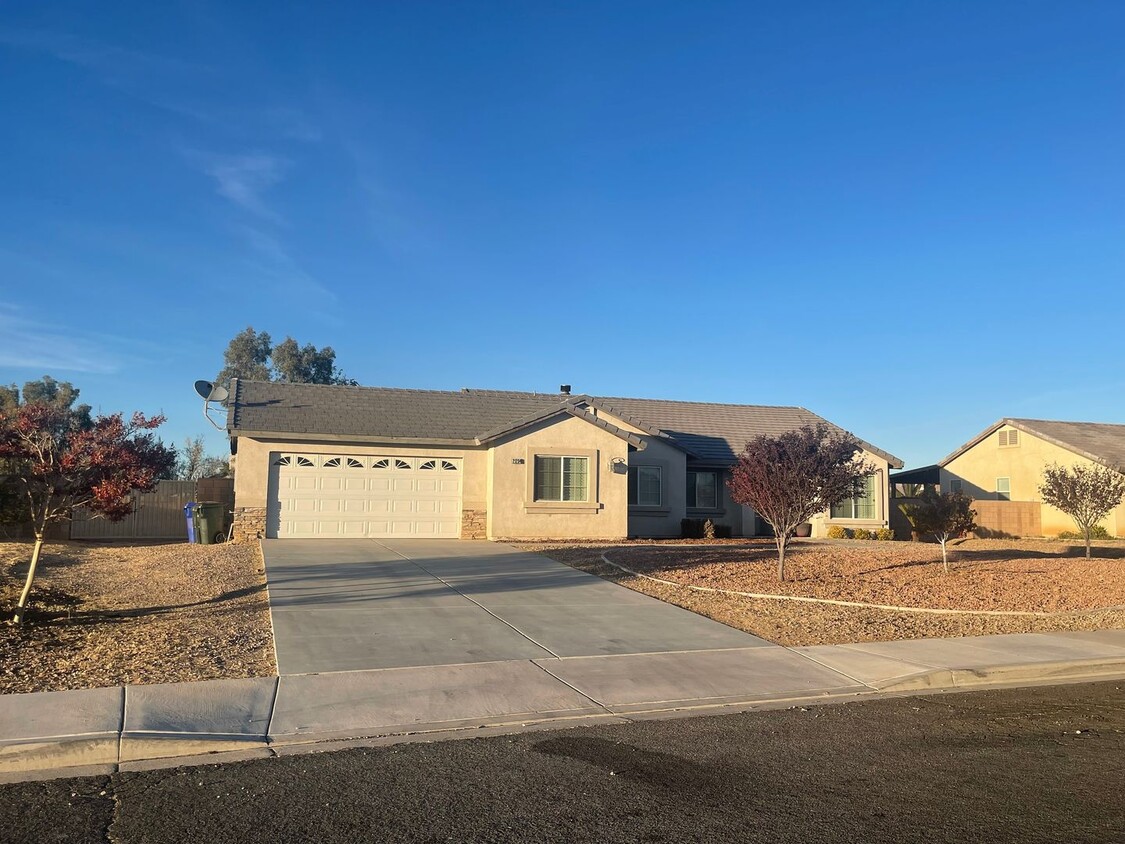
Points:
338	495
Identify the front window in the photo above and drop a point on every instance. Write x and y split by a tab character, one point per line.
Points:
560	478
1003	489
860	507
645	486
703	490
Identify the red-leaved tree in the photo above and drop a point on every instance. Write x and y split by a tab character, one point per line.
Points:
59	462
790	478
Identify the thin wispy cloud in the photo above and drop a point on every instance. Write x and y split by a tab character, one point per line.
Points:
272	260
30	344
245	179
108	60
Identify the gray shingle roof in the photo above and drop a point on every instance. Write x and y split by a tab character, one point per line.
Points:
269	406
1101	442
713	433
717	433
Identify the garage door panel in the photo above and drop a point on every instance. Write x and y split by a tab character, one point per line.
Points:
354	496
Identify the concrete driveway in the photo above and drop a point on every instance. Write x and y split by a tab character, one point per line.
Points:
344	605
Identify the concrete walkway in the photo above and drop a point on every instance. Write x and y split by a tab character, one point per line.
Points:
347	605
530	647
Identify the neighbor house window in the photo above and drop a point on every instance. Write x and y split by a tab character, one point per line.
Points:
645	484
955	485
860	507
703	490
560	478
1003	489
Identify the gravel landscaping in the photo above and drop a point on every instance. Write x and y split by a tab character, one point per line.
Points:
111	614
986	574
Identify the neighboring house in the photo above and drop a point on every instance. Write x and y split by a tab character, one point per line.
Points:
1005	462
335	461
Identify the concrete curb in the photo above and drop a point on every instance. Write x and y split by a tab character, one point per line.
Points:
100	731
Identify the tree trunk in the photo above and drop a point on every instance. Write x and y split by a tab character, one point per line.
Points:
944	558
1088	530
782	541
17	617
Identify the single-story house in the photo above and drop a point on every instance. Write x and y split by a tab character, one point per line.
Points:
1005	462
339	461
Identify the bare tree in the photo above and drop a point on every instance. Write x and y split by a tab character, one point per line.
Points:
194	463
790	478
1085	493
944	515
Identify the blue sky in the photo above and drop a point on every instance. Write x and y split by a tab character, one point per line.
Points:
906	217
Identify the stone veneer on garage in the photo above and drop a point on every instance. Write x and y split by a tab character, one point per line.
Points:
474	524
249	524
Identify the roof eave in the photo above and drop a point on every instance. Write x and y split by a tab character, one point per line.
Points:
971	443
569	409
1102	461
649	429
373	439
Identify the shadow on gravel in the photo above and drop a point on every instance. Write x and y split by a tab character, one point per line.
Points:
633	764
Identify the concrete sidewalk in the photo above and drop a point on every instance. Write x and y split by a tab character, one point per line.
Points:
103	730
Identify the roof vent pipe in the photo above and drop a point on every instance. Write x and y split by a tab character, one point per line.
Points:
564	389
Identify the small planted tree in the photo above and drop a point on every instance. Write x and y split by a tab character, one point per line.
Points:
1085	493
943	515
790	478
58	461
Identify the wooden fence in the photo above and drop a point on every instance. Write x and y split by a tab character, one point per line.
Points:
156	515
999	519
1008	518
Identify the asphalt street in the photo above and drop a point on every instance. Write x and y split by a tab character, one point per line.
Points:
1043	764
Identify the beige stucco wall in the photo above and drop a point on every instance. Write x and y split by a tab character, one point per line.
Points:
513	515
1023	464
822	521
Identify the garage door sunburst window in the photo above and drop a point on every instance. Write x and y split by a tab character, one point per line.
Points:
560	478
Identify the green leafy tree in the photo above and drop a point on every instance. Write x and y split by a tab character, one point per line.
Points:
790	478
252	355
247	356
46	390
59	463
943	515
1085	493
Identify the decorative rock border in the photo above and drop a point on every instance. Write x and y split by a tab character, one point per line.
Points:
860	604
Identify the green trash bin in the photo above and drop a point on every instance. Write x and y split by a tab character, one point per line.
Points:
209	517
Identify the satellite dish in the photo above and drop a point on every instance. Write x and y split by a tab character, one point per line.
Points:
211	392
